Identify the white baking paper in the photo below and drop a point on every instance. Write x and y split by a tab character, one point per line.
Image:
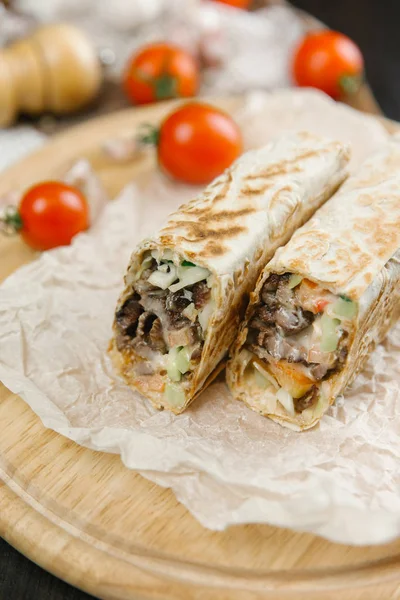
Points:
225	463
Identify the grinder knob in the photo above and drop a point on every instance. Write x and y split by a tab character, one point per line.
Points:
56	69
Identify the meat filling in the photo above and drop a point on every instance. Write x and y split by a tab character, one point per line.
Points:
300	332
153	321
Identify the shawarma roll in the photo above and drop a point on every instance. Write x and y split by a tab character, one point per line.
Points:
187	287
324	301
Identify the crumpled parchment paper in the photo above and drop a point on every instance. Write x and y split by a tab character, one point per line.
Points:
225	463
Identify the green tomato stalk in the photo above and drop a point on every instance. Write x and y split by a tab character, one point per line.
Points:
10	221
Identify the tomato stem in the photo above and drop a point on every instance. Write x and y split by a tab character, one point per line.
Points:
148	134
165	87
11	221
350	84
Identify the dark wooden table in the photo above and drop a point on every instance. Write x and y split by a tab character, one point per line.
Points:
374	26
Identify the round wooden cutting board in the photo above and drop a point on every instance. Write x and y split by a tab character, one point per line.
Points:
89	520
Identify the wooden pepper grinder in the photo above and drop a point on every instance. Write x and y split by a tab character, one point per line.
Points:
56	69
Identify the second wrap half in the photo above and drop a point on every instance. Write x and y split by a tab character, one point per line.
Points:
324	301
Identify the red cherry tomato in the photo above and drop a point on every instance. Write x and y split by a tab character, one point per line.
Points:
161	71
197	142
329	61
236	3
52	213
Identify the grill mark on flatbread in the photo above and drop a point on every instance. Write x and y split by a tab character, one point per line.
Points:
249	191
368	277
225	178
227	215
208	198
354	259
274	171
316	242
190	206
205	225
205	213
213	249
205	205
199	230
167	240
225	187
197	210
351	255
286	166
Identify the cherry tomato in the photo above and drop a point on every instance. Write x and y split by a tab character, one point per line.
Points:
197	142
329	61
161	71
52	213
236	3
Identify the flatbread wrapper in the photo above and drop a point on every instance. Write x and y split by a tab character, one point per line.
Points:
187	287
324	301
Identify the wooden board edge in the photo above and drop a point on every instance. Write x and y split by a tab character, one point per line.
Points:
95	571
25	530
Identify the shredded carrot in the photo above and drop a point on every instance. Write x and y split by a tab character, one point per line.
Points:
320	304
310	284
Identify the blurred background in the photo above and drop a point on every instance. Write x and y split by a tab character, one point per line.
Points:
372	25
237	50
51	79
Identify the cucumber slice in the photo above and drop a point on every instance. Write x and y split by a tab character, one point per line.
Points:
183	359
189	276
260	380
329	338
172	368
294	280
163	280
174	395
345	308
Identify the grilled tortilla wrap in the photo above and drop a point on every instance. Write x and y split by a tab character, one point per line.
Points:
324	301
187	287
